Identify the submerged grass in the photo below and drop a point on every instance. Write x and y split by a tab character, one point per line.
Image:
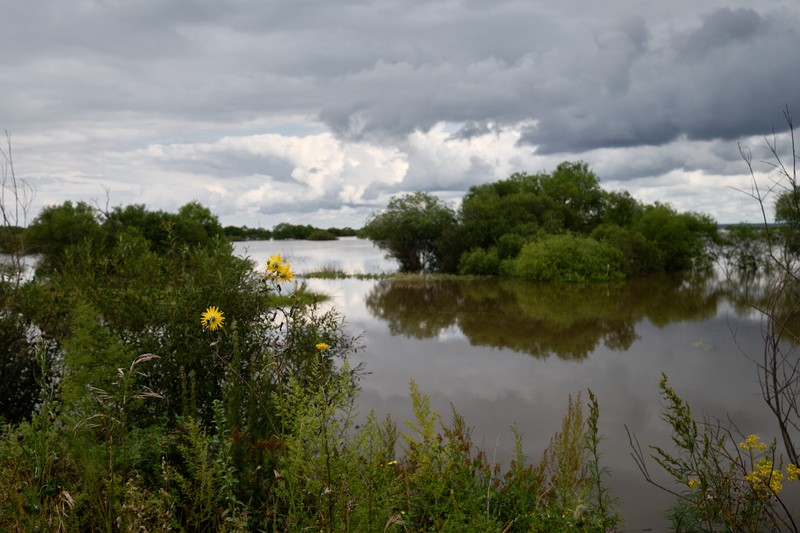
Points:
332	272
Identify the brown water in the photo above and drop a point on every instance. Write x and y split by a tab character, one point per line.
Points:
510	353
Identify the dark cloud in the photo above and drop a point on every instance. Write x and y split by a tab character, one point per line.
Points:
231	164
637	89
724	83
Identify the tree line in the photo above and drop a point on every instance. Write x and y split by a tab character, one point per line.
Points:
58	227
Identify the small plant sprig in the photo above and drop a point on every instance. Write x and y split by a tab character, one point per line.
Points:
43	500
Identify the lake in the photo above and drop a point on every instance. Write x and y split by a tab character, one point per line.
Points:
508	353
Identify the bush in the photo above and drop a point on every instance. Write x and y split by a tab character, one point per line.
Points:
571	259
641	256
479	262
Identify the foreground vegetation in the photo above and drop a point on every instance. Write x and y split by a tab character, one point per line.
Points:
170	385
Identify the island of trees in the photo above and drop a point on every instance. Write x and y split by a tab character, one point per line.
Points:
558	226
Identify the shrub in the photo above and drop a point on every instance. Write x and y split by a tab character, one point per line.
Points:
571	259
479	262
641	256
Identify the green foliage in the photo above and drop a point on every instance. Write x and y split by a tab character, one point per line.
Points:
59	227
252	426
410	230
11	239
154	226
243	233
490	211
321	235
721	486
20	372
479	262
681	238
89	353
620	208
641	256
576	196
743	249
570	258
787	207
496	220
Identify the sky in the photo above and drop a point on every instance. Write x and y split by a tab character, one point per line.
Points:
318	112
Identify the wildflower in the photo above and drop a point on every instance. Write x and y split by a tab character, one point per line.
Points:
322	346
212	318
792	472
284	273
751	443
274	263
693	483
765	480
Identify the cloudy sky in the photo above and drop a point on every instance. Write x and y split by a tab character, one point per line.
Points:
315	111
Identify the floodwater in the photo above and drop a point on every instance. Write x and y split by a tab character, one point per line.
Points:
507	353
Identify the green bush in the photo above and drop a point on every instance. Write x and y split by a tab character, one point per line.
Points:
479	262
641	256
569	258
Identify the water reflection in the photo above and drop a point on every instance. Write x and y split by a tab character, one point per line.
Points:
567	320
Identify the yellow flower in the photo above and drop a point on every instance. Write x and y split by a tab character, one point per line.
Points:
751	443
322	346
274	263
284	273
765	480
693	483
212	318
792	472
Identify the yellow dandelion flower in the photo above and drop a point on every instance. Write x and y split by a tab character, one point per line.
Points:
284	273
322	346
274	263
212	318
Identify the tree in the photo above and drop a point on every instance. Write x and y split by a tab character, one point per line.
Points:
196	225
59	227
576	194
410	229
514	205
681	238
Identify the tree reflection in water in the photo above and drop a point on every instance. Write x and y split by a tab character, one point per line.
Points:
568	320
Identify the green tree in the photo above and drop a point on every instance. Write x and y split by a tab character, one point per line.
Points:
152	225
620	208
642	256
410	229
681	238
490	211
284	230
195	224
59	227
576	195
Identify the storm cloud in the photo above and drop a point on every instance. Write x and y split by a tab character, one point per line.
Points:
271	111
